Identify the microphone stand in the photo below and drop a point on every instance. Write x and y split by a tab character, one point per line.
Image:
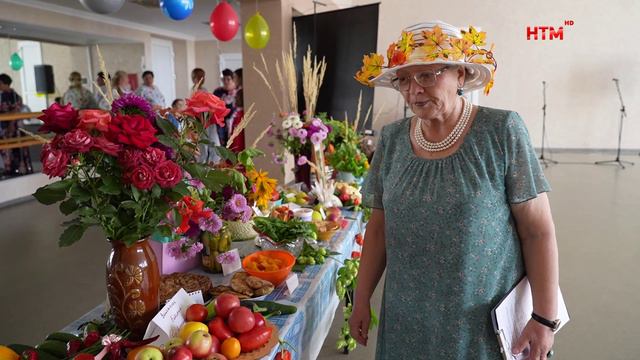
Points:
623	114
543	160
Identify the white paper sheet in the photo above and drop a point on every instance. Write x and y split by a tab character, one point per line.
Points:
170	319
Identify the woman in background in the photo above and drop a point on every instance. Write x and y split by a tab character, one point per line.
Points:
120	84
77	95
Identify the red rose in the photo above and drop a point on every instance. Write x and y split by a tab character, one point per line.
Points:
204	102
54	161
168	174
106	146
133	130
94	119
153	156
130	158
141	177
77	140
58	119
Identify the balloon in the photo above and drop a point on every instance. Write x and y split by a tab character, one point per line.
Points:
15	61
256	32
224	22
102	6
176	9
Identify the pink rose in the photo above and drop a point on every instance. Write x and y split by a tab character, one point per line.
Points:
54	161
101	143
168	174
141	177
58	119
94	119
77	140
153	156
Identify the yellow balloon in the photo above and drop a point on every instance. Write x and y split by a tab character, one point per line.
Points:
256	32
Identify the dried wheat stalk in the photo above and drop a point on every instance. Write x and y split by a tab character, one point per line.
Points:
355	123
107	80
248	116
262	135
266	81
312	77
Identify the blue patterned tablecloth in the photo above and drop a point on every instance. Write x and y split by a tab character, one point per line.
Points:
315	298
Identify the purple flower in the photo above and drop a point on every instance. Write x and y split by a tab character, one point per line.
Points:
293	132
237	203
212	224
316	122
302	160
132	104
247	214
228	214
227	257
227	192
175	248
277	159
194	249
317	138
302	134
184	248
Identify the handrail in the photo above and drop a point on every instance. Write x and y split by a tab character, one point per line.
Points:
19	116
20	142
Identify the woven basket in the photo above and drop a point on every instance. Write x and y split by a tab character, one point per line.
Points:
241	231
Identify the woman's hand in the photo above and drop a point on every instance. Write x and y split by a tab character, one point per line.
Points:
538	338
359	322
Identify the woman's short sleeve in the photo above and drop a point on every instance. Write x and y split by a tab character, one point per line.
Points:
372	188
524	178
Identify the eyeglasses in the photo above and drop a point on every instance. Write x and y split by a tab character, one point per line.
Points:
422	78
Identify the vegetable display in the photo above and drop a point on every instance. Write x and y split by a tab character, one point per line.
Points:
283	232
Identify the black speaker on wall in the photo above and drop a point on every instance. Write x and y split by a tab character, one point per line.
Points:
44	79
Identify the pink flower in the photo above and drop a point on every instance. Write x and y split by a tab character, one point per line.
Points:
317	138
58	119
94	119
302	160
77	140
142	177
302	134
101	143
168	174
54	161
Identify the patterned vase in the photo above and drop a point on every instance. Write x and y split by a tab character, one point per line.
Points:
133	285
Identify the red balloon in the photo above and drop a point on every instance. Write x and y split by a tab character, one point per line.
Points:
224	22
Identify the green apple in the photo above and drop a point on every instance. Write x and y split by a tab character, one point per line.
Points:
149	353
316	216
173	342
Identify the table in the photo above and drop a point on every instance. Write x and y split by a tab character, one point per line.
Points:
315	297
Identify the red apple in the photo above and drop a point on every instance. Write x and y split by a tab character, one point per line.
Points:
216	356
180	353
199	342
225	303
215	345
241	320
197	312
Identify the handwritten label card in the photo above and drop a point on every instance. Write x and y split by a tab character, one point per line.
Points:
169	320
292	283
230	262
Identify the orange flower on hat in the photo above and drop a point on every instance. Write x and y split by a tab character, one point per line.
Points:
371	68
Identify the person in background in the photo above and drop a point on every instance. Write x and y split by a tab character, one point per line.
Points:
99	94
150	92
58	100
77	95
11	102
238	144
120	84
175	112
227	92
207	153
198	78
237	78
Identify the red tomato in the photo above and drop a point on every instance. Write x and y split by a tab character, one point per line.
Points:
255	338
241	320
260	320
355	254
225	303
219	329
197	312
283	355
359	239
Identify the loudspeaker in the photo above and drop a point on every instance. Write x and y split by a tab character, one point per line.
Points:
44	79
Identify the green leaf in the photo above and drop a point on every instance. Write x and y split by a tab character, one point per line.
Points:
68	206
60	185
108	210
217	179
195	170
72	234
136	193
239	182
48	196
226	154
156	191
167	140
177	217
110	185
166	126
78	193
129	204
174	196
182	189
86	211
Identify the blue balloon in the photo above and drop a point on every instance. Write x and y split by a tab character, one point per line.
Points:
176	9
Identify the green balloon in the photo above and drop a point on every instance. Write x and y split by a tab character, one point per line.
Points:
16	62
256	32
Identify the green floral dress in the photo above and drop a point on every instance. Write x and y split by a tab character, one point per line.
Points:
452	246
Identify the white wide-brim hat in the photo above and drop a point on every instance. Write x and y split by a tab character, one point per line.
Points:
478	74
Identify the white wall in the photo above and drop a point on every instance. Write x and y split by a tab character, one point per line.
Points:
582	103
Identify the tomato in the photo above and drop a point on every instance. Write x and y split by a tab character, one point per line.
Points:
359	239
241	320
355	254
260	320
231	348
255	338
197	312
283	355
219	329
225	303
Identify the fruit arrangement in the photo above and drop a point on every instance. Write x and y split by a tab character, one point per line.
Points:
348	194
282	213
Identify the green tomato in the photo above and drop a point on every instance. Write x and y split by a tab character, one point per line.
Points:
320	259
312	261
323	251
302	260
351	344
341	344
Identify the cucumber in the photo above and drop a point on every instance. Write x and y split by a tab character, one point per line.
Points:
54	347
60	336
271	306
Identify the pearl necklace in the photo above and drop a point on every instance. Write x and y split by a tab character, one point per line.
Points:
451	139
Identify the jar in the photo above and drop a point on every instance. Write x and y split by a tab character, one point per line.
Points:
214	245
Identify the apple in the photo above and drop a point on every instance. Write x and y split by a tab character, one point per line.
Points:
333	217
173	342
197	312
225	303
149	353
316	216
241	320
200	344
180	353
215	345
216	356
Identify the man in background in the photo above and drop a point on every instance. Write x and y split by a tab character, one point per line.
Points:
11	102
227	92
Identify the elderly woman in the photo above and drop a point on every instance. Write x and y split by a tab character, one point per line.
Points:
77	95
460	211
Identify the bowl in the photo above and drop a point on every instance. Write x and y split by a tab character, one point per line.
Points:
326	229
275	277
304	214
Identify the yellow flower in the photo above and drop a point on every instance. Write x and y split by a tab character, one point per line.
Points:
264	187
433	40
475	37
